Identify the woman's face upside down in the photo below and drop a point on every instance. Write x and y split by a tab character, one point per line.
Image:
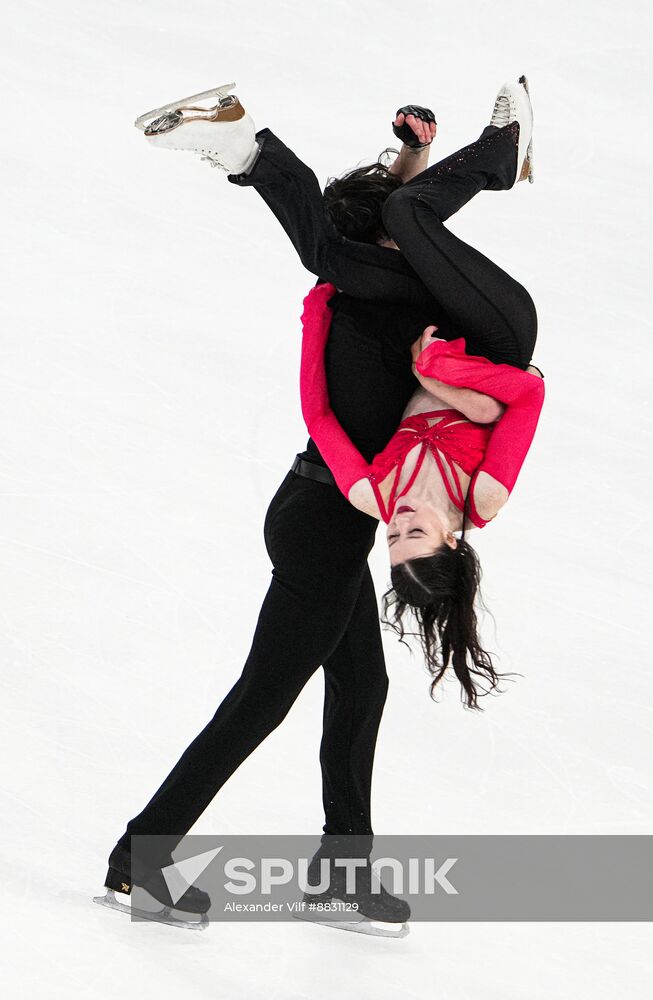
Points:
417	529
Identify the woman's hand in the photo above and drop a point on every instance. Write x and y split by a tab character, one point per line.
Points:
476	406
423	342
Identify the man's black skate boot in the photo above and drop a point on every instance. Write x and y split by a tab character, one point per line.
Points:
377	905
370	909
126	871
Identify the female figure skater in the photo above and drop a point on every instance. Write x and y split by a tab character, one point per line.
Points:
450	466
464	436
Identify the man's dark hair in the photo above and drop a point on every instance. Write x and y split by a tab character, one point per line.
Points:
355	200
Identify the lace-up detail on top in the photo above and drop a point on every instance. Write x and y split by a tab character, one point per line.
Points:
452	440
501	113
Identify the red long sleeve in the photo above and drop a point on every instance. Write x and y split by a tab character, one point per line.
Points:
343	458
522	392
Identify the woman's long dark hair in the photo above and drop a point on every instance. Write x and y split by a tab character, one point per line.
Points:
441	591
355	200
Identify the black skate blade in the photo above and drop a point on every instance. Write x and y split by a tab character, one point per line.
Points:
166	915
359	925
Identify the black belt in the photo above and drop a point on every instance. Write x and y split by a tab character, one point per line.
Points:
310	470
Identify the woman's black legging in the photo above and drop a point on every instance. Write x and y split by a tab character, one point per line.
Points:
435	269
494	313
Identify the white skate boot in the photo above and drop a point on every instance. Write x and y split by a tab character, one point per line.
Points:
513	103
222	133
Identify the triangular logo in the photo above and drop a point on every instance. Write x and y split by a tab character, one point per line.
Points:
180	875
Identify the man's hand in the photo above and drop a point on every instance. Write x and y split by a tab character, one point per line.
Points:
412	160
415	126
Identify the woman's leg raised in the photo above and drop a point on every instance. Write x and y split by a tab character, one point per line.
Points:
494	313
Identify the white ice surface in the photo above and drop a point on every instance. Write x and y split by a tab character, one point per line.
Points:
149	408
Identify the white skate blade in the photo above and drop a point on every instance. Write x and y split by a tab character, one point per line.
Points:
166	915
359	925
143	120
529	152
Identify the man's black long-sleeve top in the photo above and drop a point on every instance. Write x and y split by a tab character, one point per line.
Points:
382	309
